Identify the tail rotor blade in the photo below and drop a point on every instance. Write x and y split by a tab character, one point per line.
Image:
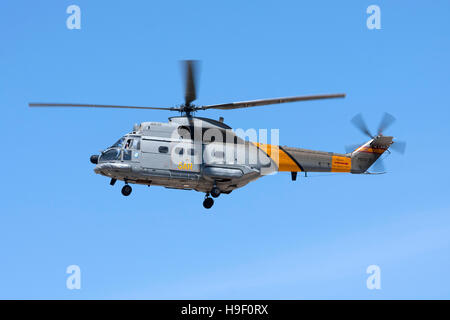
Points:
190	71
386	121
359	123
399	146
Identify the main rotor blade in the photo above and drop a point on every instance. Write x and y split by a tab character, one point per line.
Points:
386	121
264	102
75	105
190	70
359	123
399	146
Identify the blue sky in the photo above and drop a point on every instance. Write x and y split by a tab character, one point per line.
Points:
274	239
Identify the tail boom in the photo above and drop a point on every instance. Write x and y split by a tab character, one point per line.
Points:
289	159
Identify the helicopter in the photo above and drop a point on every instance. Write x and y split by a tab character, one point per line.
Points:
206	155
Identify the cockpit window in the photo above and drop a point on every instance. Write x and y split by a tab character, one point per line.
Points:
109	155
132	143
118	144
126	155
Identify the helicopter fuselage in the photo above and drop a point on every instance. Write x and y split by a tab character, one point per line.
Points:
199	154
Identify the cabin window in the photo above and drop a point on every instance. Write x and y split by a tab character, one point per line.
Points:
191	152
163	149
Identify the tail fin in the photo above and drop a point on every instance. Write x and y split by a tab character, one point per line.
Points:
364	156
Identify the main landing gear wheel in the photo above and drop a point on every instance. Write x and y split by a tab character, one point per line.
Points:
126	190
208	203
215	192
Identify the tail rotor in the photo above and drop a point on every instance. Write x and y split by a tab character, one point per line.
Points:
386	121
360	124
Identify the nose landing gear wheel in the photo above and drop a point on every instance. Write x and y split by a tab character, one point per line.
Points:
126	190
208	203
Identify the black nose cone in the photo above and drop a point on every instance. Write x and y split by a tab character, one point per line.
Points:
94	159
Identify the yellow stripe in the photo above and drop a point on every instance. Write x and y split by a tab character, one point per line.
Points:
370	150
284	161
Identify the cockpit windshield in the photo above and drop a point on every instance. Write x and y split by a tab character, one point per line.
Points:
118	144
110	155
